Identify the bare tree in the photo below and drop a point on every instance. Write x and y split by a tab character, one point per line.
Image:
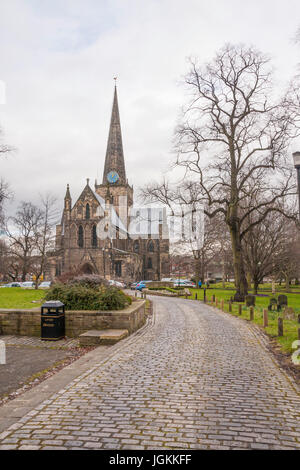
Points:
30	234
234	138
44	236
262	245
21	230
287	258
4	188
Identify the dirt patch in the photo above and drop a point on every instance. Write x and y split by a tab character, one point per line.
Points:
284	360
27	367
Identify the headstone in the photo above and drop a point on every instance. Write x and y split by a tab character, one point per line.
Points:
272	305
250	300
281	301
289	313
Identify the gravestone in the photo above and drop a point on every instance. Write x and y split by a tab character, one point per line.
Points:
273	304
250	300
282	301
289	313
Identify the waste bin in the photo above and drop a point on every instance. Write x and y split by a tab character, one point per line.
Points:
53	320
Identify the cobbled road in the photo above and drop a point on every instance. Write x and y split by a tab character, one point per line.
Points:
193	378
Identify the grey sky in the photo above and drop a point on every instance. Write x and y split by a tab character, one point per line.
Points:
58	60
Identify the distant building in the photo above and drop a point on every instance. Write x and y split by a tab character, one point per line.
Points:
123	256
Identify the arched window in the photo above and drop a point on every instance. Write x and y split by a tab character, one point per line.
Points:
87	211
149	264
80	236
94	237
151	246
136	246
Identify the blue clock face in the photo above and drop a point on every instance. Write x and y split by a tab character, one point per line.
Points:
112	177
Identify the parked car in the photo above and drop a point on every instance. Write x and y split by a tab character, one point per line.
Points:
28	285
119	284
183	283
12	284
140	285
133	285
45	285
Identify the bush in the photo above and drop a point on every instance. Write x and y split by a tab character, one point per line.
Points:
81	297
93	281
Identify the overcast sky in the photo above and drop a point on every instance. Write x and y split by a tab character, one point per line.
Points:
58	60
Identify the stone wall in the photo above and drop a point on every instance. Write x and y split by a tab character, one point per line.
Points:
28	322
160	284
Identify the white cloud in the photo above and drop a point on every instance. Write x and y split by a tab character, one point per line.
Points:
58	61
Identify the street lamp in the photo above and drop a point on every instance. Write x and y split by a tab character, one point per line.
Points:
296	157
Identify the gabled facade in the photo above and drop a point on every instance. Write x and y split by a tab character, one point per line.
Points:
83	238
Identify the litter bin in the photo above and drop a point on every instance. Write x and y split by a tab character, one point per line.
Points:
53	320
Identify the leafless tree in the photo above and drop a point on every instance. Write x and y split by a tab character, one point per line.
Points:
287	257
262	245
30	234
234	138
44	236
21	230
4	188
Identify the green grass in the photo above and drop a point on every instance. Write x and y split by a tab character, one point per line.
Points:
293	298
15	297
266	287
290	327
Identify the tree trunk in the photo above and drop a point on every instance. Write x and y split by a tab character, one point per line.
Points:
249	280
287	283
223	271
238	265
202	275
255	285
197	271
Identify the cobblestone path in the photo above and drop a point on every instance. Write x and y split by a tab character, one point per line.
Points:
194	378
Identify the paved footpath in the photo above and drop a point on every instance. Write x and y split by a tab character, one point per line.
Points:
193	378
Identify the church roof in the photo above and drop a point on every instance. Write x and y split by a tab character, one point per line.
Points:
114	159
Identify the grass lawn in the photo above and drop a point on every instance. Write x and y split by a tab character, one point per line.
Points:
290	327
15	297
266	287
293	298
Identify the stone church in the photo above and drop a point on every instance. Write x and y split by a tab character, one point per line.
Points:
104	233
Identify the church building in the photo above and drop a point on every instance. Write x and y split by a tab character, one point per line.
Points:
103	233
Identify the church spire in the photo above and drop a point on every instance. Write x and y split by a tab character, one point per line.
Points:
114	168
68	199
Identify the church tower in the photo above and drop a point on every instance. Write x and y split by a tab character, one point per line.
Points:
123	256
114	180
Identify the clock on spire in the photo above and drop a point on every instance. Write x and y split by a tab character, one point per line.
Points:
114	168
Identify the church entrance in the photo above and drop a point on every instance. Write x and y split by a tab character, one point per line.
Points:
87	269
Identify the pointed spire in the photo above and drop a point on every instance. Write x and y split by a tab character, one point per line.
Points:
114	159
68	199
68	195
